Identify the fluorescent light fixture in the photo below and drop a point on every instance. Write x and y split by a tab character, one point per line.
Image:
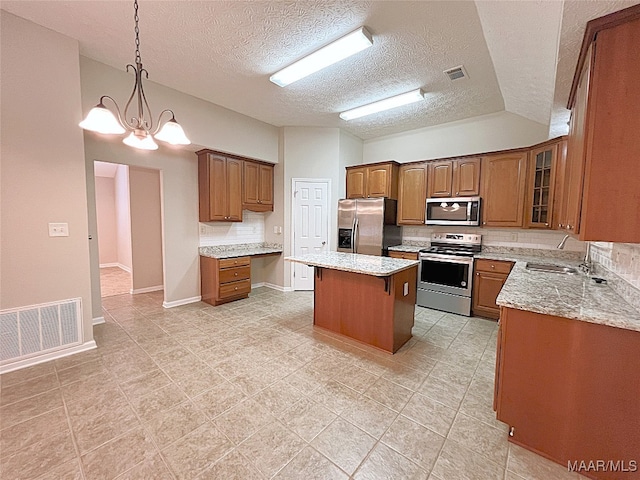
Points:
386	104
342	48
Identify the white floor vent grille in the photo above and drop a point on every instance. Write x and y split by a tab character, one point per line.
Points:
31	331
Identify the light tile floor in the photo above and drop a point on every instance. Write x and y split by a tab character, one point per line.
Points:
249	390
114	281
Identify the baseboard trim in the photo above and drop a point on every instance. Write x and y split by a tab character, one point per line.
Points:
278	287
184	301
257	285
146	289
48	357
98	321
119	265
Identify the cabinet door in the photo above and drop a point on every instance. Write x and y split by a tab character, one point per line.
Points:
541	183
378	183
466	177
234	190
440	178
217	188
486	287
251	186
266	185
503	189
574	176
356	180
412	194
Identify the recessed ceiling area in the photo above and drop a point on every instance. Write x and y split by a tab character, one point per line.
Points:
519	55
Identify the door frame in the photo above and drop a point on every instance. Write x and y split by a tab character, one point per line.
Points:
293	218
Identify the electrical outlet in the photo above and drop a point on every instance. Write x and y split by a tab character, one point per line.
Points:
513	237
58	229
203	229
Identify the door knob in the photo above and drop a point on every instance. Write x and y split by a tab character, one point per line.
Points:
324	243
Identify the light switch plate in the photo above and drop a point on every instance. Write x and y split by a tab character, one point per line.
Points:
58	229
406	289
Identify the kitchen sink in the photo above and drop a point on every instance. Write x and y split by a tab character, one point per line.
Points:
543	267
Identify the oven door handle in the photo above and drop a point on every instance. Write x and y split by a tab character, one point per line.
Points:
447	258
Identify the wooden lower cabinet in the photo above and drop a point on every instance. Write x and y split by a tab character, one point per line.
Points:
225	280
569	390
403	255
488	280
377	311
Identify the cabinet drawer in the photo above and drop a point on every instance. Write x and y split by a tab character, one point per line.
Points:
243	287
234	274
493	266
235	262
403	255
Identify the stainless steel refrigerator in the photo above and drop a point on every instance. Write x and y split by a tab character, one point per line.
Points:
368	226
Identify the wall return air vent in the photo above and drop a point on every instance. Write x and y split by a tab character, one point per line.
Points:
456	73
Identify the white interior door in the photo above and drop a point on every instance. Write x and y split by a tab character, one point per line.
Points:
310	226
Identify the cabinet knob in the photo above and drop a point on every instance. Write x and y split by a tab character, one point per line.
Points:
477	274
484	223
457	193
235	274
236	288
569	227
493	266
546	224
560	225
236	262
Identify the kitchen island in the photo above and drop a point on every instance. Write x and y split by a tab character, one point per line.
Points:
367	298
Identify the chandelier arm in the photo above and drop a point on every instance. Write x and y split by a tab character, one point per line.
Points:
173	116
148	124
124	125
135	121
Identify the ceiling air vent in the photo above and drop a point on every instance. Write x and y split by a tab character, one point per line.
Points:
456	73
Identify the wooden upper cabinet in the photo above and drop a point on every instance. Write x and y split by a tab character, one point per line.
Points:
454	178
356	181
258	187
371	181
412	193
541	187
220	188
557	215
440	178
604	140
503	189
466	177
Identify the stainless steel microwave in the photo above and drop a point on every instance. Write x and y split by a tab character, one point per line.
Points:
453	211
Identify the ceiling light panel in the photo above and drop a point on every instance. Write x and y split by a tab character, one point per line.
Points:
342	48
382	105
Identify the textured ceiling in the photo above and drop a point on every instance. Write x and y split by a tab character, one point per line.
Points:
224	51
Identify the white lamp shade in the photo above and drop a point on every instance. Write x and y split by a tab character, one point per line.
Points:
171	132
145	143
101	120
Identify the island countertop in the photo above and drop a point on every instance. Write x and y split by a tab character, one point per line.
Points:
240	250
355	263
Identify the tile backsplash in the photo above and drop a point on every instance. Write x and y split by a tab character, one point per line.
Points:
250	230
620	263
538	239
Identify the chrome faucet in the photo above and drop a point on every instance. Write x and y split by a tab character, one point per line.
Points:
562	242
585	266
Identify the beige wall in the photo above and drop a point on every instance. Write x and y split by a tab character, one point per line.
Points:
106	219
498	131
42	170
123	218
146	228
350	154
273	268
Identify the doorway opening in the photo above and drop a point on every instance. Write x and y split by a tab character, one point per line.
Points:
129	228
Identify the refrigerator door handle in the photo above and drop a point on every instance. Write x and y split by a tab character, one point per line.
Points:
355	235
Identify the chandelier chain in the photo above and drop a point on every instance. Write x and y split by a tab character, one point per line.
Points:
137	30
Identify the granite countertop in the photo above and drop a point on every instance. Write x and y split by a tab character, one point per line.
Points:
240	250
407	248
574	296
356	263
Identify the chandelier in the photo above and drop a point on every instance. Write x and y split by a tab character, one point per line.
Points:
141	128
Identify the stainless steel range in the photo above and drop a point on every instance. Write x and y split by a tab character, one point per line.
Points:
445	273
